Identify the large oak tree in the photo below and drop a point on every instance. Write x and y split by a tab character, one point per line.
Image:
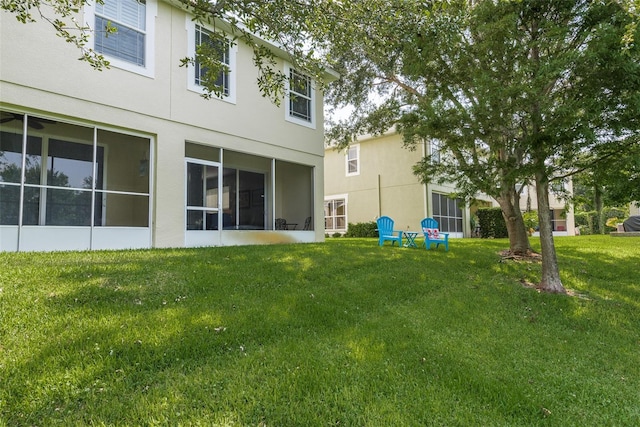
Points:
512	91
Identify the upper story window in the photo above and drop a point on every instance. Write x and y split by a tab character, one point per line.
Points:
221	49
300	98
353	160
131	46
224	52
435	151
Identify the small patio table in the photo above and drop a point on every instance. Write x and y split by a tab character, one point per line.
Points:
411	239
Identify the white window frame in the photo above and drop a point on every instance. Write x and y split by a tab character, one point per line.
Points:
191	69
151	12
349	159
345	198
288	69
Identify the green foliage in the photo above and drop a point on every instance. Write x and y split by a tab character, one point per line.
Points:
586	221
336	234
343	332
362	229
530	219
492	224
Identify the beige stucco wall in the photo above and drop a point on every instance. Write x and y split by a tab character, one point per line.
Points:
40	74
386	185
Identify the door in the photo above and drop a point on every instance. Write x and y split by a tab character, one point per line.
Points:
203	219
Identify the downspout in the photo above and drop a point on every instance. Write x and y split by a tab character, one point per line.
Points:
379	198
425	185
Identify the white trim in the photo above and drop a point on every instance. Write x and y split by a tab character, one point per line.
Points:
346	159
190	26
288	117
151	12
344	197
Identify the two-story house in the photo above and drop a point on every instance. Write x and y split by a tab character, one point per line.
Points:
134	156
374	177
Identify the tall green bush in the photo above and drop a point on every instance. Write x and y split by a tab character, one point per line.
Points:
492	223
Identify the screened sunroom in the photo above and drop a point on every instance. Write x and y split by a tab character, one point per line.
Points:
239	198
67	186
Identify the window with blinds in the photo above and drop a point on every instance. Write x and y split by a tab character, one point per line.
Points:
128	17
299	96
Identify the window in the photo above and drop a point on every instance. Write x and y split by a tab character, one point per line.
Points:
221	51
335	214
435	151
300	103
202	39
353	160
128	17
131	46
447	212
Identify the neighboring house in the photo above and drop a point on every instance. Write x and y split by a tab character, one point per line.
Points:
374	177
134	156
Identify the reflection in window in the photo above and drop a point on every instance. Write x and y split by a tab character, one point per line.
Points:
9	204
59	176
10	157
70	164
68	207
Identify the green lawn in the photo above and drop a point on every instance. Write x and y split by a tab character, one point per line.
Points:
341	333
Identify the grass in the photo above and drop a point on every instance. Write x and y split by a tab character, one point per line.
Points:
341	333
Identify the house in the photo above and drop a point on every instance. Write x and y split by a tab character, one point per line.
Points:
134	156
374	177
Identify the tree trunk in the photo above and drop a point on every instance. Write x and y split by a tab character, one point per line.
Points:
598	204
550	271
509	201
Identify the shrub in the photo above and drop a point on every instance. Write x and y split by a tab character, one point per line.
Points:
336	234
492	223
362	229
586	221
530	219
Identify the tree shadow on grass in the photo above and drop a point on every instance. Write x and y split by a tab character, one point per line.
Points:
324	330
128	326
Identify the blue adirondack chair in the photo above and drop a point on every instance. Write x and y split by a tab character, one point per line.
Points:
386	231
433	235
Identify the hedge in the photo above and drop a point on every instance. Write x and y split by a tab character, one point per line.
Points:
362	229
492	223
